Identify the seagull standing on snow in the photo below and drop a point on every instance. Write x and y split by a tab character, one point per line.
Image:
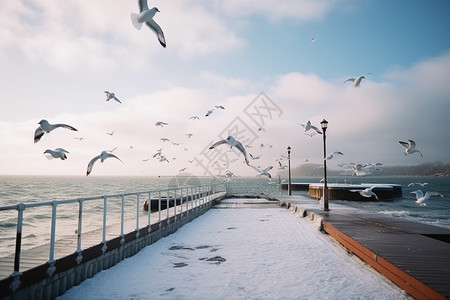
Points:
368	193
420	198
410	147
104	155
46	127
233	143
57	153
110	96
146	16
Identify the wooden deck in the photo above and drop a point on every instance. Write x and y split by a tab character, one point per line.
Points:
414	256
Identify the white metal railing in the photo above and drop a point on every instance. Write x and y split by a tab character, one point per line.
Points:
171	202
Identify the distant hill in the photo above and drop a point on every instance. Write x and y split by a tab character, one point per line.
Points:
427	169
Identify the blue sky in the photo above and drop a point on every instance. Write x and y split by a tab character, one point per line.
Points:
58	59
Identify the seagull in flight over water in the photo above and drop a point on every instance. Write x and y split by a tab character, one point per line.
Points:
146	16
57	153
368	193
46	127
104	155
233	143
420	197
410	147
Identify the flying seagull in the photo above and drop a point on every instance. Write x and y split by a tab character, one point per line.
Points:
110	96
233	143
330	156
104	155
146	16
57	153
368	193
356	81
160	123
422	184
420	197
410	147
46	127
264	172
308	126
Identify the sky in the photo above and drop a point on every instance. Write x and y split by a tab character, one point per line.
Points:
217	256
272	65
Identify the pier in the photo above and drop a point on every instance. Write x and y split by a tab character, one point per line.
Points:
416	257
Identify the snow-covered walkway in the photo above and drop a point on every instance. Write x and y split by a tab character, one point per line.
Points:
244	253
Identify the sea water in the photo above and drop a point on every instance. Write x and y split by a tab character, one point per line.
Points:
35	189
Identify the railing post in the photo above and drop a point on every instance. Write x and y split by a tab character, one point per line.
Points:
52	234
159	208
149	210
104	220
137	215
122	212
80	222
167	207
20	209
175	204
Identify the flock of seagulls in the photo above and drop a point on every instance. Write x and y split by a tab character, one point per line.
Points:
146	16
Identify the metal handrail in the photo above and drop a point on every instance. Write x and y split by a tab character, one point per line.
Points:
198	195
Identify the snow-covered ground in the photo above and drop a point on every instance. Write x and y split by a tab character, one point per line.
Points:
241	253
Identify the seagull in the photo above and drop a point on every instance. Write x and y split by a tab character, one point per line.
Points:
209	112
110	96
110	133
418	183
146	16
219	107
79	138
308	126
194	118
410	147
312	40
368	193
104	155
189	135
159	123
46	127
356	81
233	143
264	172
330	156
57	153
420	198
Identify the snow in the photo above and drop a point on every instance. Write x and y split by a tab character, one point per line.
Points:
241	253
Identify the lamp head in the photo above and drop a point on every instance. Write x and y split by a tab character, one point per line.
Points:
324	125
289	149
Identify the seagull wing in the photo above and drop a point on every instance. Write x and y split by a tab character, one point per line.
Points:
65	126
112	155
115	98
350	79
61	150
430	194
157	29
242	149
404	144
316	129
38	134
142	5
412	144
91	164
218	143
418	194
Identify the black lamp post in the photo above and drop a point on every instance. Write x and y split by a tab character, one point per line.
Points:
324	125
289	170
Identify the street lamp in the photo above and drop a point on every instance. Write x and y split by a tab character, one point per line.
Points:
289	170
324	125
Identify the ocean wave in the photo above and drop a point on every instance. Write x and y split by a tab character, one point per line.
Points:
394	212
